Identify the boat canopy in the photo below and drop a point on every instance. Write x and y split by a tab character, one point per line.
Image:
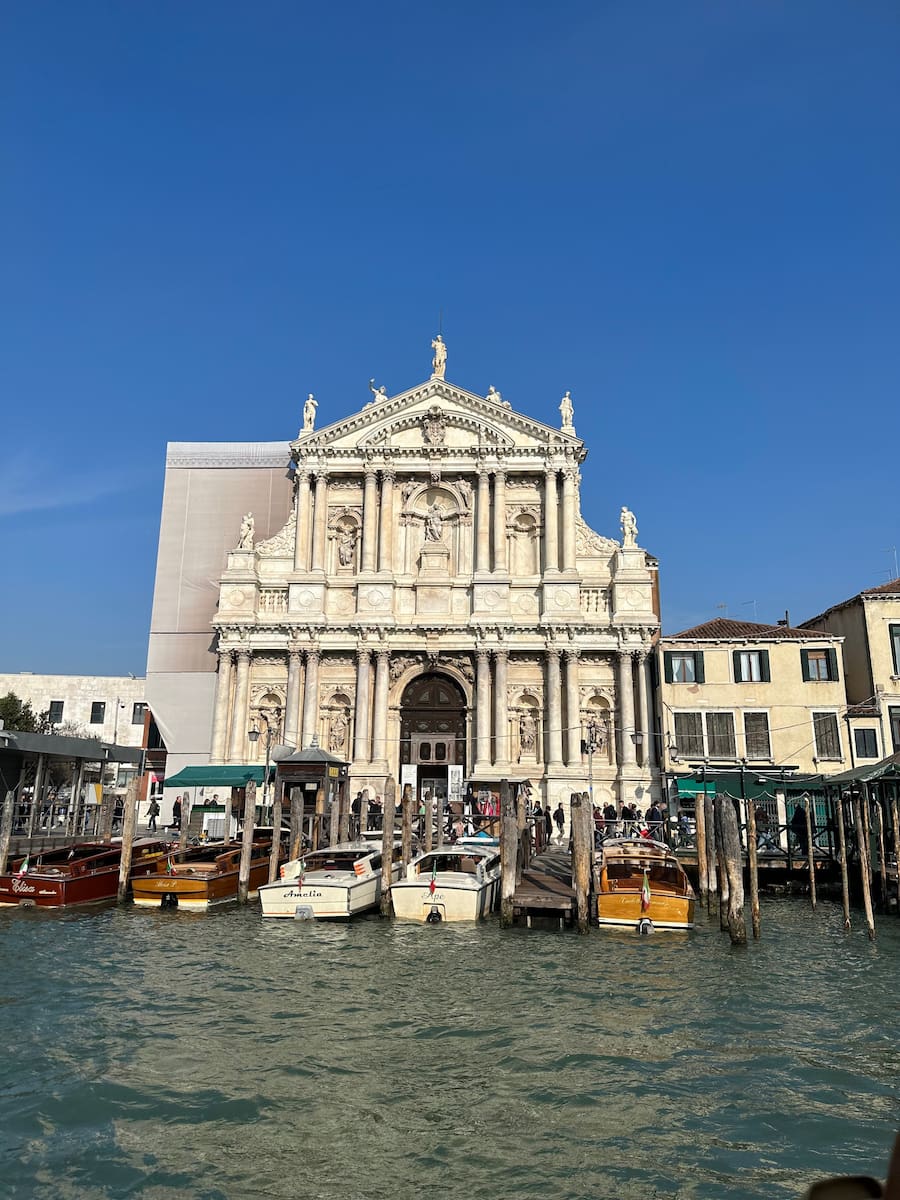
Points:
216	776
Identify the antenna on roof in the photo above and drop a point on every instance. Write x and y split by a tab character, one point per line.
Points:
787	620
753	602
440	320
723	608
893	550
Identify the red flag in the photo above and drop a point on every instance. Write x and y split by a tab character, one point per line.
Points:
433	884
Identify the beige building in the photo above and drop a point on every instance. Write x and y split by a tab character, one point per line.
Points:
415	587
766	696
869	624
108	707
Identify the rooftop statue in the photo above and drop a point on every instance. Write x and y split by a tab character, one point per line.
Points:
629	528
439	362
567	412
245	538
309	414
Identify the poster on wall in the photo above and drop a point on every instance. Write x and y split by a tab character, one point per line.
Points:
408	775
455	782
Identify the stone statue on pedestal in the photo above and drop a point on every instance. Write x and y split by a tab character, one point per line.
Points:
629	528
245	538
309	414
567	412
439	362
434	523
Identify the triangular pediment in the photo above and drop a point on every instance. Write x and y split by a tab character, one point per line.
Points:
435	415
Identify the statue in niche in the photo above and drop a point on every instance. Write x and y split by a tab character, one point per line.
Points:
346	546
245	538
337	733
629	527
567	412
439	362
527	734
434	523
309	414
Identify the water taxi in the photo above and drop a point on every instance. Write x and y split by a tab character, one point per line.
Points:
643	886
79	874
451	883
201	876
335	883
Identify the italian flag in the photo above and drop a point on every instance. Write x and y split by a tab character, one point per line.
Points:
301	870
433	883
23	870
645	893
170	866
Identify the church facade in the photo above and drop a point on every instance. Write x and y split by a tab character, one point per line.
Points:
433	608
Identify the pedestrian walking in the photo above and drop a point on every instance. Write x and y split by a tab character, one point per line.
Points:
559	817
152	814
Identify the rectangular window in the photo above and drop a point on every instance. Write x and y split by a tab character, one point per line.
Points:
720	734
894	632
98	712
684	667
55	715
819	665
828	741
756	735
137	713
866	743
689	734
894	716
751	666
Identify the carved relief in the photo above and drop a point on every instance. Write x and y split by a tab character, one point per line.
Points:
402	662
282	544
434	426
588	543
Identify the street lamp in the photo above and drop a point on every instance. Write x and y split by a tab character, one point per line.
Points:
253	735
591	746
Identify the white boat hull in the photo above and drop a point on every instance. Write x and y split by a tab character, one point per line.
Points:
454	898
337	898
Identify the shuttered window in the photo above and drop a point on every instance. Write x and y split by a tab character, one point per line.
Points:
689	734
828	739
819	664
894	631
866	743
756	735
720	734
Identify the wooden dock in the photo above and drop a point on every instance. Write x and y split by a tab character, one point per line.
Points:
546	889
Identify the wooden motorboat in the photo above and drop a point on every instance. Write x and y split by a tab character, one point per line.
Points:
201	876
334	883
79	874
641	882
451	883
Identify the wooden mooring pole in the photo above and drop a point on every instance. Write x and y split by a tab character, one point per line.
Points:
721	874
810	853
712	882
700	840
896	830
509	852
865	878
753	867
6	826
407	804
243	893
296	794
228	815
387	845
277	806
129	824
582	821
882	857
728	838
842	854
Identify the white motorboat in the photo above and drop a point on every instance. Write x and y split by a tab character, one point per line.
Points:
335	883
452	883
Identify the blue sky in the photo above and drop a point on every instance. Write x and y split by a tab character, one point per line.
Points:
686	214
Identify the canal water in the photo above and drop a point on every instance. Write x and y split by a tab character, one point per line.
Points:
221	1057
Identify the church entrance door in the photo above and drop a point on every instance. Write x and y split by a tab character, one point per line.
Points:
433	732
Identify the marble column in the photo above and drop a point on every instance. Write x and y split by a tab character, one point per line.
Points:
648	745
310	699
292	699
551	523
301	511
483	711
501	712
626	710
238	742
361	729
370	502
380	713
569	508
573	710
483	525
220	712
320	522
500	521
553	709
386	536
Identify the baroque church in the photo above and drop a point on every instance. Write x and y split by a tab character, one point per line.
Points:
427	603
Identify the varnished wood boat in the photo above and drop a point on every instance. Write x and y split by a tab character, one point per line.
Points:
201	876
642	881
80	874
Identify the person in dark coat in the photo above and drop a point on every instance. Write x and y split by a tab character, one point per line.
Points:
176	813
548	821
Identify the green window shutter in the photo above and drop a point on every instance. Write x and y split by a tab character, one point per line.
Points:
736	659
667	663
699	674
804	663
832	663
764	666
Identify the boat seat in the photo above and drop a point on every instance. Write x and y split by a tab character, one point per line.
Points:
468	865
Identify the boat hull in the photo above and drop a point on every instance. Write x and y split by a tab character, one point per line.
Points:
451	899
332	901
66	886
624	909
196	891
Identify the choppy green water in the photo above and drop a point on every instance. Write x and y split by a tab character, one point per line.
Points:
167	1054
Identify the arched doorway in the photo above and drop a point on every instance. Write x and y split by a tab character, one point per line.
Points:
433	730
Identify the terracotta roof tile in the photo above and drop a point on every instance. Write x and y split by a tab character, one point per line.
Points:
892	587
722	629
883	589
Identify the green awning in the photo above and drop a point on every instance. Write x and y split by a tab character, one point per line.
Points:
213	776
691	787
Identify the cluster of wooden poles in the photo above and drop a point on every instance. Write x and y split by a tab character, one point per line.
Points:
721	869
